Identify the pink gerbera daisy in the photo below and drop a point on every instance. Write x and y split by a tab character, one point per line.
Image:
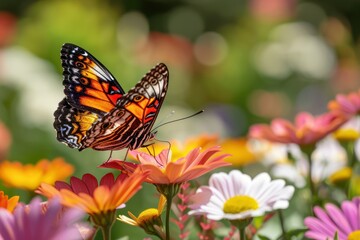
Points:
345	221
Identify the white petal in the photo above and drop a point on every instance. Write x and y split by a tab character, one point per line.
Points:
259	185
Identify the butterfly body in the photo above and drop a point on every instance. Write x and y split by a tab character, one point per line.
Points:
97	113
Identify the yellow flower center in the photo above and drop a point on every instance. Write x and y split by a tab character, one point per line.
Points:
147	215
346	134
240	204
354	235
341	175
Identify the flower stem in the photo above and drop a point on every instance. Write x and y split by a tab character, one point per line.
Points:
307	150
282	224
169	191
311	183
104	221
106	232
350	150
167	220
242	234
241	225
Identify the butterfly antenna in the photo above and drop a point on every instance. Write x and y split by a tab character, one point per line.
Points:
179	119
166	117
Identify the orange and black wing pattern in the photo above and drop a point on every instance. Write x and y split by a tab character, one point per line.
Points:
91	92
129	124
89	86
72	124
97	113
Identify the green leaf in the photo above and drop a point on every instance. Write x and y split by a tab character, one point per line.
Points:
293	233
262	237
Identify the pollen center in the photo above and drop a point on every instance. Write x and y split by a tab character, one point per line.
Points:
346	134
150	213
354	235
341	175
240	204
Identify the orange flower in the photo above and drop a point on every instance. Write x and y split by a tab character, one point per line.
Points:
7	203
179	149
15	174
163	169
93	197
241	153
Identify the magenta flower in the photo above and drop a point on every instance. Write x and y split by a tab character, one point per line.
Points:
346	104
345	221
306	130
36	222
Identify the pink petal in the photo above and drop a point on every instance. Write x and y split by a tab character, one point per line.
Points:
304	118
337	216
351	213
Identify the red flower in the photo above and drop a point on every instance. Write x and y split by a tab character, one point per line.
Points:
93	197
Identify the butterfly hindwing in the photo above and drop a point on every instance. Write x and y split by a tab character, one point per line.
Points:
89	86
129	123
72	124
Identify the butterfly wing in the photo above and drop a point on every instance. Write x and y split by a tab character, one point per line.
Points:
89	86
72	124
128	125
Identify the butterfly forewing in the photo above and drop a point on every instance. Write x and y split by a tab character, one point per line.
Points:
129	123
88	84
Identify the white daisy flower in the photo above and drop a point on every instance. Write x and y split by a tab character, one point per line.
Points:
328	158
236	196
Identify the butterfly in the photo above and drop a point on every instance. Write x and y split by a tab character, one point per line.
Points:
97	113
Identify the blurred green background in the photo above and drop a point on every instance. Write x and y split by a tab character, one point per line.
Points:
244	62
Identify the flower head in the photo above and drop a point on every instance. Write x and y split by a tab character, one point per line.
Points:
32	222
326	222
328	157
163	169
240	151
7	203
346	104
15	174
149	219
236	196
350	131
180	149
93	197
306	130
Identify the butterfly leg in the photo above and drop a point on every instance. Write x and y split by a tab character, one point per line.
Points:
111	151
169	148
164	142
153	149
127	151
